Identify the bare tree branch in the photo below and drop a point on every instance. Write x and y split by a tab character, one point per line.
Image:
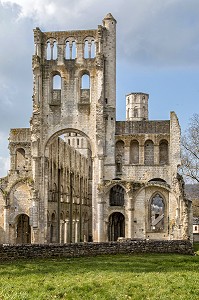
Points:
190	150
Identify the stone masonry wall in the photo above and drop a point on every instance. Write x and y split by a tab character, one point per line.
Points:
93	249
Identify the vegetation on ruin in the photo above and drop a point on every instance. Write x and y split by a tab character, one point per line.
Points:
146	276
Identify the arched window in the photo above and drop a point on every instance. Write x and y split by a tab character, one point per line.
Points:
144	111
20	159
53	228
74	50
56	82
54	193
55	50
119	156
86	51
163	152
157	180
128	110
148	153
89	47
134	152
48	51
85	81
51	49
70	50
92	49
157	211
85	89
116	197
135	112
56	90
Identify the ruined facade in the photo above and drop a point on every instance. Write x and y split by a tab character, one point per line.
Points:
77	174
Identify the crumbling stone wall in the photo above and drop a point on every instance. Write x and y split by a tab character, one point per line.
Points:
93	249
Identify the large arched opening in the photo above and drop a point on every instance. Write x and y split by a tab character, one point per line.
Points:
116	227
68	174
23	232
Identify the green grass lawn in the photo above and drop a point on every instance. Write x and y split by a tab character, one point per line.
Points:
146	276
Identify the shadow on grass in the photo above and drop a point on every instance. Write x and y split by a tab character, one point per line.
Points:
142	263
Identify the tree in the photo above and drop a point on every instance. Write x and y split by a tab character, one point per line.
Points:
190	151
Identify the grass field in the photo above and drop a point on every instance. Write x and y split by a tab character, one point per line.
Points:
147	276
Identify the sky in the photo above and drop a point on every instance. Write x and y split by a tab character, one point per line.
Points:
157	53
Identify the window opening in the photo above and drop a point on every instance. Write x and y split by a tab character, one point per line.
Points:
157	213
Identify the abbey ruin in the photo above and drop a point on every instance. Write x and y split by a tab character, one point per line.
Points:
77	174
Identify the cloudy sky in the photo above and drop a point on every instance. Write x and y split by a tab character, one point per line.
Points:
157	53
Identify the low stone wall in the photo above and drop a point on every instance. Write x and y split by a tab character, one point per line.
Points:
93	249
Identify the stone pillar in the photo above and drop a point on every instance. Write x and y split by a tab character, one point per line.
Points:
6	224
66	236
130	223
77	231
156	154
35	233
101	235
73	231
127	154
141	154
101	169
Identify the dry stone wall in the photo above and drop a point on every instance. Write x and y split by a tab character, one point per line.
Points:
92	249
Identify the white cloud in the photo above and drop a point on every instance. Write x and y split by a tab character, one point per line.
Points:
150	33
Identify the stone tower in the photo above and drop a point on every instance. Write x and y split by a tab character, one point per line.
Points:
74	92
137	107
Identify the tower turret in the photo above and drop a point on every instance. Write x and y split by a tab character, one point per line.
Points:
137	107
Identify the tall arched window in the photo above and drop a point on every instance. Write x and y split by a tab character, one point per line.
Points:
89	47
55	50
85	89
56	90
86	51
67	50
53	228
56	82
157	213
134	152
70	50
74	50
119	156
163	152
51	49
149	153
135	112
20	159
85	81
48	51
92	49
116	197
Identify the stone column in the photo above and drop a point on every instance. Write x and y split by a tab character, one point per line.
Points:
156	154
77	231
127	154
130	225
141	154
6	224
101	235
101	169
66	231
35	233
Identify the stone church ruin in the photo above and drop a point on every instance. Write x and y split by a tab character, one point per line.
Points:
77	174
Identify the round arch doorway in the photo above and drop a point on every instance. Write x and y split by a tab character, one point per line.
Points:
116	226
23	230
